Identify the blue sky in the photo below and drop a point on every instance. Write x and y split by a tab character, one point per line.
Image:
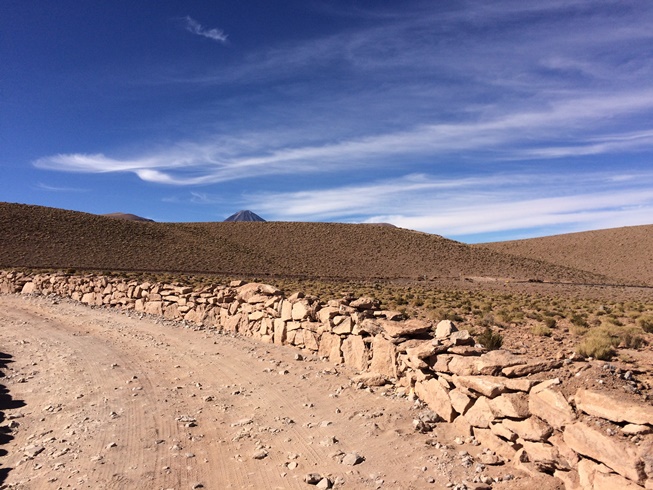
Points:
474	120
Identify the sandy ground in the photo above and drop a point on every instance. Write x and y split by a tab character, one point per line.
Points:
96	398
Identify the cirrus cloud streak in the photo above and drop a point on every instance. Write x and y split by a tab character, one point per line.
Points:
196	28
511	203
506	137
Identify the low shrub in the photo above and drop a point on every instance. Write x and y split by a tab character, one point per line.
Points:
579	320
578	330
613	320
549	322
597	343
645	323
533	315
629	337
541	331
489	339
488	320
442	314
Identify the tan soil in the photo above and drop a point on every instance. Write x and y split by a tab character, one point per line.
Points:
109	397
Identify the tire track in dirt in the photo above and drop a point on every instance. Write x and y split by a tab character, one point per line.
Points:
102	369
187	408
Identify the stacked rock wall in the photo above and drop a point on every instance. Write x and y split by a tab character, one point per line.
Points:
490	396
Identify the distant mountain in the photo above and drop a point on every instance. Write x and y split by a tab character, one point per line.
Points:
245	215
127	216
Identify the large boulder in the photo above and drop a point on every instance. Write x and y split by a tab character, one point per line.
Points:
488	386
88	298
613	408
489	364
480	414
551	406
383	357
532	367
490	441
330	347
612	452
404	329
531	429
310	342
354	352
424	349
491	386
545	456
327	313
300	310
280	331
286	310
364	303
252	289
344	326
512	405
460	400
436	397
154	308
444	329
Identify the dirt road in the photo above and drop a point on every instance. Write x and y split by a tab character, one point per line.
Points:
98	398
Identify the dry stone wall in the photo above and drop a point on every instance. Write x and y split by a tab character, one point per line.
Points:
490	397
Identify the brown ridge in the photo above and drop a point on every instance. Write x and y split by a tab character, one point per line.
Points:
41	237
126	216
624	253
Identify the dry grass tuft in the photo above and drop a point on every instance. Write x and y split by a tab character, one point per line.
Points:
598	344
541	331
490	339
645	323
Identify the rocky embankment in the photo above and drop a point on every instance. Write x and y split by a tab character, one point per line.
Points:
513	405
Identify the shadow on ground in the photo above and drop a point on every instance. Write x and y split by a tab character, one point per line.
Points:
6	403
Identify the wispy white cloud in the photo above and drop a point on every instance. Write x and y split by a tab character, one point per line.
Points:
53	188
506	137
206	198
196	28
474	42
572	213
633	141
472	206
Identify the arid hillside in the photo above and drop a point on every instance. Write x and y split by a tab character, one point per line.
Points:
40	237
625	253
